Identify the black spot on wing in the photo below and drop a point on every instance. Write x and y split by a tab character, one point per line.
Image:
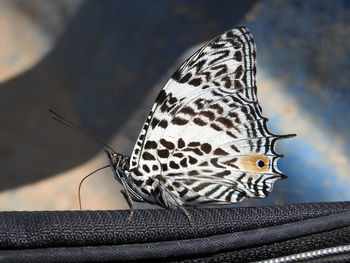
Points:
193	173
238	84
209	114
199	65
204	164
154	122
161	97
180	143
232	163
183	162
163	153
149	181
195	150
179	155
239	71
194	144
240	196
234	115
222	193
222	54
177	76
228	197
201	186
195	82
217	107
222	70
227	82
238	55
173	165
193	198
163	124
249	182
188	111
146	168
138	182
167	144
199	103
225	121
214	161
199	122
172	99
219	151
206	147
222	174
164	167
231	134
179	121
147	156
212	191
183	192
150	145
215	127
192	160
185	78
234	147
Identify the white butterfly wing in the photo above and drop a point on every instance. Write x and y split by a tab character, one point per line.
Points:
205	137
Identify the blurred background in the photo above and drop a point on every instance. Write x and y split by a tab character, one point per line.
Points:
102	63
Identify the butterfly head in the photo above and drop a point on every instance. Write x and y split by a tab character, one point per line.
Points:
114	158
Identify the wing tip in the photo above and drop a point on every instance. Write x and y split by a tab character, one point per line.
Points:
283	176
287	136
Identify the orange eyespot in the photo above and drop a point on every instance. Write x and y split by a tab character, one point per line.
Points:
255	163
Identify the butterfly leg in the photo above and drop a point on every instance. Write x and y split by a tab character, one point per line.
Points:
129	194
190	220
124	193
179	204
128	200
131	215
130	203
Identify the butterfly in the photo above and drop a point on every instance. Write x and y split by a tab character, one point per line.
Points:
204	140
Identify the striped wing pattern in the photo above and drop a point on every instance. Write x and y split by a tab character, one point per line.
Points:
205	139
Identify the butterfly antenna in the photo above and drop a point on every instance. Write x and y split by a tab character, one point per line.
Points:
82	180
65	121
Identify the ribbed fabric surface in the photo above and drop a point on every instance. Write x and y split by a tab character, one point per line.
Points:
293	246
219	234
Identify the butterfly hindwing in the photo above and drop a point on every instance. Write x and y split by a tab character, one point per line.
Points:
205	136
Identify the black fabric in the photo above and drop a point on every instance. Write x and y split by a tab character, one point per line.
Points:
322	240
220	234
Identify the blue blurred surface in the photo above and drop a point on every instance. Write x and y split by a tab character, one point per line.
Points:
305	45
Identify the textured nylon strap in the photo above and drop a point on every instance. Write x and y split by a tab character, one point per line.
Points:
163	233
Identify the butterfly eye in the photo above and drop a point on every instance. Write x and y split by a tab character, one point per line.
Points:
260	163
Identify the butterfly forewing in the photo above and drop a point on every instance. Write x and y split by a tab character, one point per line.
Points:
205	139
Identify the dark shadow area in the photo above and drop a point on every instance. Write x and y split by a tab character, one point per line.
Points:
110	55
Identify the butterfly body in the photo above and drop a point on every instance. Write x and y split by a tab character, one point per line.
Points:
205	140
